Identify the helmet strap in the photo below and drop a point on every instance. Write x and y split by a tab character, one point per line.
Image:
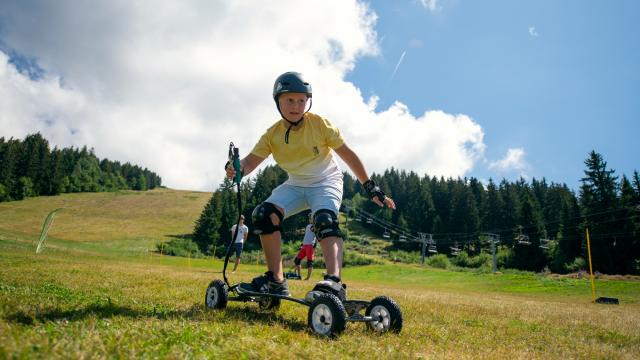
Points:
291	124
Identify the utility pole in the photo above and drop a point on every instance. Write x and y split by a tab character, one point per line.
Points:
494	239
423	238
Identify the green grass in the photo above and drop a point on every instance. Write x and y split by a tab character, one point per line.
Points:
96	291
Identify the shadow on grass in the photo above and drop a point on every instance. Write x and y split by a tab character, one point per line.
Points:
103	310
197	312
251	315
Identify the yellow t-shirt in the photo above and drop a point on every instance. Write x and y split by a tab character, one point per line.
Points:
307	158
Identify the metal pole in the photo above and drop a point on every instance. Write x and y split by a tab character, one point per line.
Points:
493	253
423	238
494	239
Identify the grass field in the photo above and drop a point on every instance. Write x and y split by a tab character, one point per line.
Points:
97	291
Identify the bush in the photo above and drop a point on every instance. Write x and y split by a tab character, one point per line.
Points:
250	257
4	194
440	261
476	262
179	247
405	256
505	257
25	188
352	258
577	265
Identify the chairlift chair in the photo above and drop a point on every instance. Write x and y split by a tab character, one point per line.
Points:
433	249
386	234
455	250
523	239
369	221
544	244
402	238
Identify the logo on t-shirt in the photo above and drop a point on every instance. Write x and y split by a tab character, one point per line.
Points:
316	152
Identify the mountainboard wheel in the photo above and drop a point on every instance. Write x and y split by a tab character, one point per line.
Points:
268	303
217	295
327	316
386	315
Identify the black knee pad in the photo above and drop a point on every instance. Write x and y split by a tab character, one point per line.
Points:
325	224
309	264
297	261
261	218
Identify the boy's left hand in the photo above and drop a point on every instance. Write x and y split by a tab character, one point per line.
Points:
377	195
387	201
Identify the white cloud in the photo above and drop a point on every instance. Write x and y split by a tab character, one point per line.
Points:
513	162
532	31
168	85
431	5
415	44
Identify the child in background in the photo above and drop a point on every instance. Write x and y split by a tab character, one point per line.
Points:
238	244
306	250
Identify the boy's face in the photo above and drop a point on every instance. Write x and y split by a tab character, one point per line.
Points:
293	105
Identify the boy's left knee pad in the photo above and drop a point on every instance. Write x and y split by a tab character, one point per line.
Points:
325	224
309	264
297	261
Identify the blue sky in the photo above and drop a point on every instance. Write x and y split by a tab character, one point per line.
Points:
555	78
453	88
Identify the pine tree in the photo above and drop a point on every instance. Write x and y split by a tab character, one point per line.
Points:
9	152
636	187
627	239
492	219
569	236
206	233
510	213
598	194
530	257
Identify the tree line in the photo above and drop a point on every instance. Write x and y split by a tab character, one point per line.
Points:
540	225
30	168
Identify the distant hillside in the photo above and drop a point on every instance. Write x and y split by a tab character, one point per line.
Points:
29	168
135	219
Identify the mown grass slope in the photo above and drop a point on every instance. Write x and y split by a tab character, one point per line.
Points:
96	291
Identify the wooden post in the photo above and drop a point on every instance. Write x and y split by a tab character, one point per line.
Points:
593	285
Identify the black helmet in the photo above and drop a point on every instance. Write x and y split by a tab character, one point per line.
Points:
291	82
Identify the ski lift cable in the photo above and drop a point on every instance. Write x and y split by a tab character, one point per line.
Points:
382	223
374	218
458	235
547	223
393	227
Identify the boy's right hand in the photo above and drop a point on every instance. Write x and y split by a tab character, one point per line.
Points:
228	168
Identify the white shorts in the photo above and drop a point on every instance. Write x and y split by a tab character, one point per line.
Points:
294	199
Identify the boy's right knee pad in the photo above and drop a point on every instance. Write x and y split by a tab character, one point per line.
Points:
261	218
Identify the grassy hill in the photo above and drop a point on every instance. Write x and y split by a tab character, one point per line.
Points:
97	291
131	221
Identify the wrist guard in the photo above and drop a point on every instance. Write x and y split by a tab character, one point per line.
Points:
373	190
